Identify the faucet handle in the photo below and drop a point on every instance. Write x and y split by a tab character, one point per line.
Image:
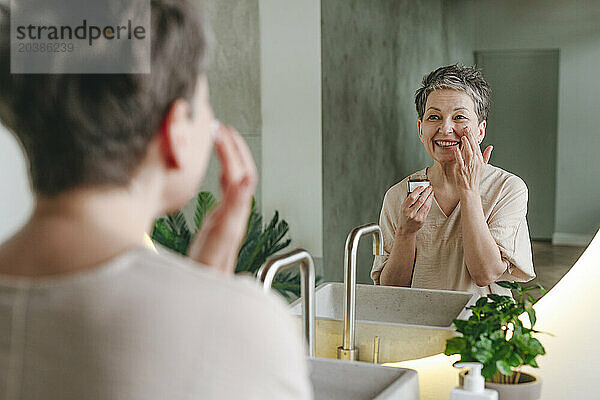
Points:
266	275
377	241
376	344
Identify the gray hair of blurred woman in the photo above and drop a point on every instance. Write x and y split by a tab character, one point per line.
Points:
456	77
94	129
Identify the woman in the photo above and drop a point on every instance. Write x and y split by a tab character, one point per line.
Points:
86	311
468	229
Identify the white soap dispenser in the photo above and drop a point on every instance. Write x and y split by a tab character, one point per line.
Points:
474	385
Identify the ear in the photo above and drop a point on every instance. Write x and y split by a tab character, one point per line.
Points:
419	129
173	133
481	131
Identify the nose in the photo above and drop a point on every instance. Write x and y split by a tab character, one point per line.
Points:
447	126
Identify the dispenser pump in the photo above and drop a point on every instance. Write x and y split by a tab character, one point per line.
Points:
474	384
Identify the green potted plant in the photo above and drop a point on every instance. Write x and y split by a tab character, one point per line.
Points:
495	336
261	242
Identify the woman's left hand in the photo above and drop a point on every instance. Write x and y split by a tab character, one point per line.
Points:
470	163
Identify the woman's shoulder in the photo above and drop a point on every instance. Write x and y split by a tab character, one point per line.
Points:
186	273
160	277
495	176
498	184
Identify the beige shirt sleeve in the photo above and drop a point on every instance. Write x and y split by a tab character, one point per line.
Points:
392	203
508	226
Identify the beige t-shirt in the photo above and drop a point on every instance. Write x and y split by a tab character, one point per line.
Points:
439	261
147	326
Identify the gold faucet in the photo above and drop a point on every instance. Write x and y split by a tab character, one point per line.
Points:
348	351
266	274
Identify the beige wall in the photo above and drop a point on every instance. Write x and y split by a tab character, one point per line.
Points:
16	200
290	34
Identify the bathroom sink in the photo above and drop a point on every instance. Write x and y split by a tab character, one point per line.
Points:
410	323
344	380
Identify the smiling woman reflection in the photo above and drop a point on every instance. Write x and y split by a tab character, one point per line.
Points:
468	229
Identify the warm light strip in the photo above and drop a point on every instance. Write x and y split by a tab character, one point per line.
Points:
437	376
570	312
148	242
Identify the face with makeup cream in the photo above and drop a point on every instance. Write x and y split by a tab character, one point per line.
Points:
447	113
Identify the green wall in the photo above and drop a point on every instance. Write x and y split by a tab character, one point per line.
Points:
234	74
374	55
573	28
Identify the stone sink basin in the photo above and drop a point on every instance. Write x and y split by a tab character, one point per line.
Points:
411	323
344	380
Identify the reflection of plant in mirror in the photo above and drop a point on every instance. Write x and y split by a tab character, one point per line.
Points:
495	336
260	243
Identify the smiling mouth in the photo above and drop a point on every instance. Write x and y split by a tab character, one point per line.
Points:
446	144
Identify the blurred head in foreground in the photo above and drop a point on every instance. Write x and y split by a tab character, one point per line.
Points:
99	131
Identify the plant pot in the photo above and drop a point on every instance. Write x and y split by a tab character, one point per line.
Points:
528	388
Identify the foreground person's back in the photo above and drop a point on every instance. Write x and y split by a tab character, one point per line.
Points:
146	326
86	312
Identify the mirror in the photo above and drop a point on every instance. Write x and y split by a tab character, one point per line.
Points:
373	56
364	61
537	57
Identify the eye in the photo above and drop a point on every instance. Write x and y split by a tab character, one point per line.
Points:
460	116
433	117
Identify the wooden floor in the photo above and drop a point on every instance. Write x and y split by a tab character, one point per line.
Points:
552	262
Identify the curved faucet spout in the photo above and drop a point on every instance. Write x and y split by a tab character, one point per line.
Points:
267	272
348	351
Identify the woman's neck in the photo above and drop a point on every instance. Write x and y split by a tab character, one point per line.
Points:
77	230
440	175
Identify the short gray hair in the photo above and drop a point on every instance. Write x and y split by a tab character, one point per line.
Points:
83	130
457	77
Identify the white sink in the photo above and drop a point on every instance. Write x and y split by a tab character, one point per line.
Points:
411	323
345	380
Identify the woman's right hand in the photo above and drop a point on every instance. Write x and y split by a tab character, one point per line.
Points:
218	242
415	209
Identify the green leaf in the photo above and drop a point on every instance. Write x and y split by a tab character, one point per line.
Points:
455	345
460	325
514	360
503	350
178	224
164	233
205	201
497	335
529	359
509	285
536	347
482	350
496	297
504	368
530	312
481	302
531	299
489	370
